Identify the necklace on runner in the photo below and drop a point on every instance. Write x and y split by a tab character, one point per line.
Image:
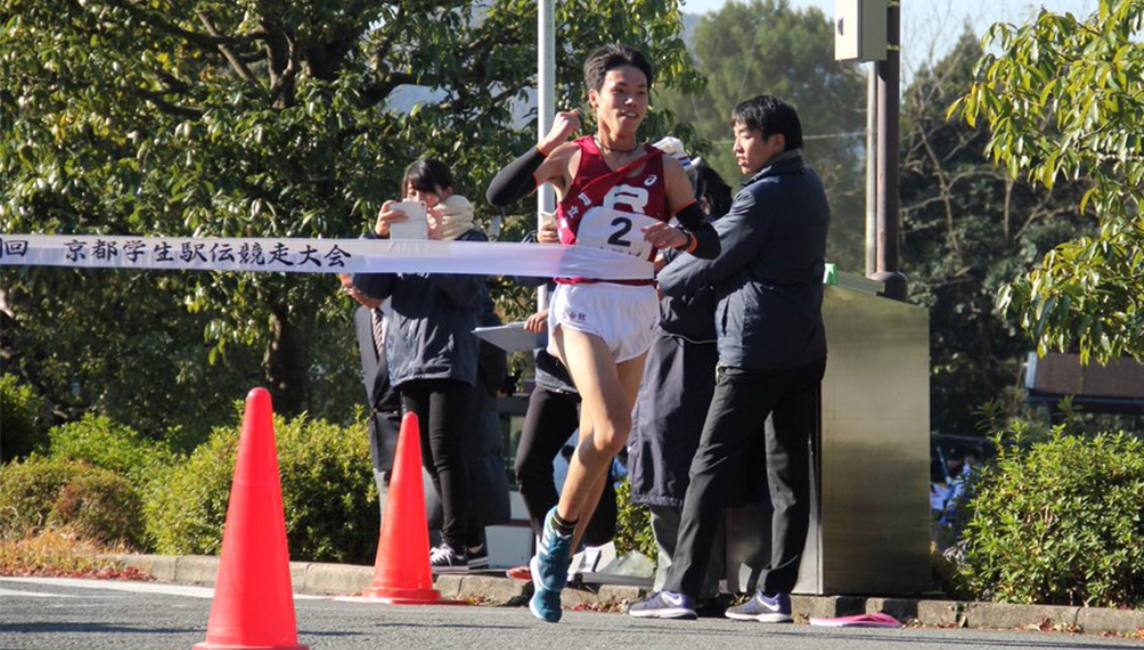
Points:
613	149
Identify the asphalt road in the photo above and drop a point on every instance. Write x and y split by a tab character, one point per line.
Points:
53	614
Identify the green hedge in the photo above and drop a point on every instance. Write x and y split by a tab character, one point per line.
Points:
58	493
99	440
1061	522
327	489
20	412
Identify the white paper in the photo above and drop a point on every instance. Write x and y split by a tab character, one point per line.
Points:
417	224
512	337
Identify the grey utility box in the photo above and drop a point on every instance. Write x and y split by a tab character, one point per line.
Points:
860	30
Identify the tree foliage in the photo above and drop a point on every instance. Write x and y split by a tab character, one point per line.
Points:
766	47
268	118
968	229
1064	99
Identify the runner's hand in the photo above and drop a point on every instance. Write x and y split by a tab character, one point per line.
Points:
547	233
662	235
565	124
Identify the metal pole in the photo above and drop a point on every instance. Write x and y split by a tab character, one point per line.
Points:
871	169
545	106
888	217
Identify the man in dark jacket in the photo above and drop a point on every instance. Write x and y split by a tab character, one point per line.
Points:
772	356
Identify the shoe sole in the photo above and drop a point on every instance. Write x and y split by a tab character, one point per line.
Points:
674	613
438	570
762	618
479	565
534	574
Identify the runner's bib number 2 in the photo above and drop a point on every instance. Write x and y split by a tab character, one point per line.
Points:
616	230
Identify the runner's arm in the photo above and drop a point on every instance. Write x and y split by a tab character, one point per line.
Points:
522	176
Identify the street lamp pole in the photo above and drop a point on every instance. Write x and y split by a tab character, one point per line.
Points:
545	107
888	216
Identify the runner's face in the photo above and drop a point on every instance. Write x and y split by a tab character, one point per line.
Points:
621	103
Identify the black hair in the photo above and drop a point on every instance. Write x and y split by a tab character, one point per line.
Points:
937	472
427	175
711	189
610	57
770	115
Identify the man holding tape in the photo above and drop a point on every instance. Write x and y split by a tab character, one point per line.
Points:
772	356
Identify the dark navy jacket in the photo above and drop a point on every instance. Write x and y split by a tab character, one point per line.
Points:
768	276
434	314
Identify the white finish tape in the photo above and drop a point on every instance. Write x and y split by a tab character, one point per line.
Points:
319	256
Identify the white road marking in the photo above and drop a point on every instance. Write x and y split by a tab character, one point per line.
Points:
121	585
33	594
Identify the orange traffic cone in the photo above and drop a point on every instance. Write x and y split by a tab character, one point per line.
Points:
253	604
401	573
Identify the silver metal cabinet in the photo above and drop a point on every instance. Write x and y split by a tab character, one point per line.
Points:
869	531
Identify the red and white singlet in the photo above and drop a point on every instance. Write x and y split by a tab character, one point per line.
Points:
610	215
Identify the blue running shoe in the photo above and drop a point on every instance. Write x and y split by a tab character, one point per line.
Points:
763	608
545	603
664	604
553	557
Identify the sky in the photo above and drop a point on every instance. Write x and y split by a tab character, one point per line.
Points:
930	27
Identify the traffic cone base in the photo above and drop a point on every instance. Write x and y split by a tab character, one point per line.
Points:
384	600
211	646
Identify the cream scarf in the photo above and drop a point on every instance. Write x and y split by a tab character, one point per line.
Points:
456	217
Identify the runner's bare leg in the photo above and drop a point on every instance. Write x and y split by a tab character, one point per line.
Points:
607	395
589	508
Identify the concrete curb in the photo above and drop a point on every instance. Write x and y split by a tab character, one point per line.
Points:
313	578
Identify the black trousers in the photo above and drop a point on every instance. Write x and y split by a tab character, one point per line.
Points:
442	408
551	418
743	400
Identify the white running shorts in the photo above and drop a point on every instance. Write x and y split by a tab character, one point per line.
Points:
624	316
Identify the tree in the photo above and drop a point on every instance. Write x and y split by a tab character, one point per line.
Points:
967	229
269	118
1064	99
765	47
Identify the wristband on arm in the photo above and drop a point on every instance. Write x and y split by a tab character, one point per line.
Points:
516	180
691	244
703	241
